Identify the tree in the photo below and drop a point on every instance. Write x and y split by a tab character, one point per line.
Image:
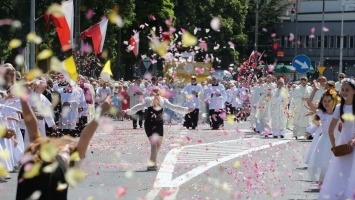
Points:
192	14
269	13
152	13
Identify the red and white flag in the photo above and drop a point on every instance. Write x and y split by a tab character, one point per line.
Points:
97	34
64	24
252	56
134	43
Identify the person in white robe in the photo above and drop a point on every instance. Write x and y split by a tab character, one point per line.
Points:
217	97
42	108
299	110
192	91
263	109
279	102
13	119
322	87
255	96
341	76
135	92
72	99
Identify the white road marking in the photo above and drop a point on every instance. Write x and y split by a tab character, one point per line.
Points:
165	174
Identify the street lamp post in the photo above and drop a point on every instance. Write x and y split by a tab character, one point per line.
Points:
32	29
322	38
256	32
341	40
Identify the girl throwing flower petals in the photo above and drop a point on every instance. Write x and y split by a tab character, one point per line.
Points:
153	123
340	173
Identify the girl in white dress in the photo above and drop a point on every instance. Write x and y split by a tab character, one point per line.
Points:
337	178
321	155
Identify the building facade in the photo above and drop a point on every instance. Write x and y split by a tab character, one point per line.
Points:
305	25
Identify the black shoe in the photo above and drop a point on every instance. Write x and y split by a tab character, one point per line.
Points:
194	127
275	137
135	127
296	137
141	126
281	136
152	168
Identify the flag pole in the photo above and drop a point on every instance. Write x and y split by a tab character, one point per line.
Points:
76	42
32	59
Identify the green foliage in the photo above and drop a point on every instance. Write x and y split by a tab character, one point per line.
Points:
232	15
268	19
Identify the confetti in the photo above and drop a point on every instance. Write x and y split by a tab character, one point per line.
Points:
55	64
19	60
44	54
74	176
75	156
50	168
348	117
56	10
3	170
236	164
32	37
121	191
15	43
32	170
4	154
215	24
48	152
35	195
89	14
61	186
18	90
188	39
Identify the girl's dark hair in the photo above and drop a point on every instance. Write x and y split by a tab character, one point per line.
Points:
351	82
333	94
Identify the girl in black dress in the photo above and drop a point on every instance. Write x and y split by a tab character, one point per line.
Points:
45	182
154	123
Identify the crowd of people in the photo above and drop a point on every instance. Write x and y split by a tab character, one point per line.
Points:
51	109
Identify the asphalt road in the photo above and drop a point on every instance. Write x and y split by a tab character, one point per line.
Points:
233	163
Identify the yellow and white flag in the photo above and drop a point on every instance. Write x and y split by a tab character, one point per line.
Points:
69	70
106	72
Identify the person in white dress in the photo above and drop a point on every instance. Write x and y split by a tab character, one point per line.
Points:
299	110
321	155
340	174
154	123
279	102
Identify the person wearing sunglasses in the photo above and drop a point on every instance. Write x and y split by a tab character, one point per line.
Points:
341	76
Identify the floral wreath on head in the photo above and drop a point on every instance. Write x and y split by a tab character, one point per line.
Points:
349	80
334	94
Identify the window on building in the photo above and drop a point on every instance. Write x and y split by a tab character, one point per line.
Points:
338	42
311	43
299	41
306	39
331	41
282	42
325	41
345	42
319	42
286	42
351	42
